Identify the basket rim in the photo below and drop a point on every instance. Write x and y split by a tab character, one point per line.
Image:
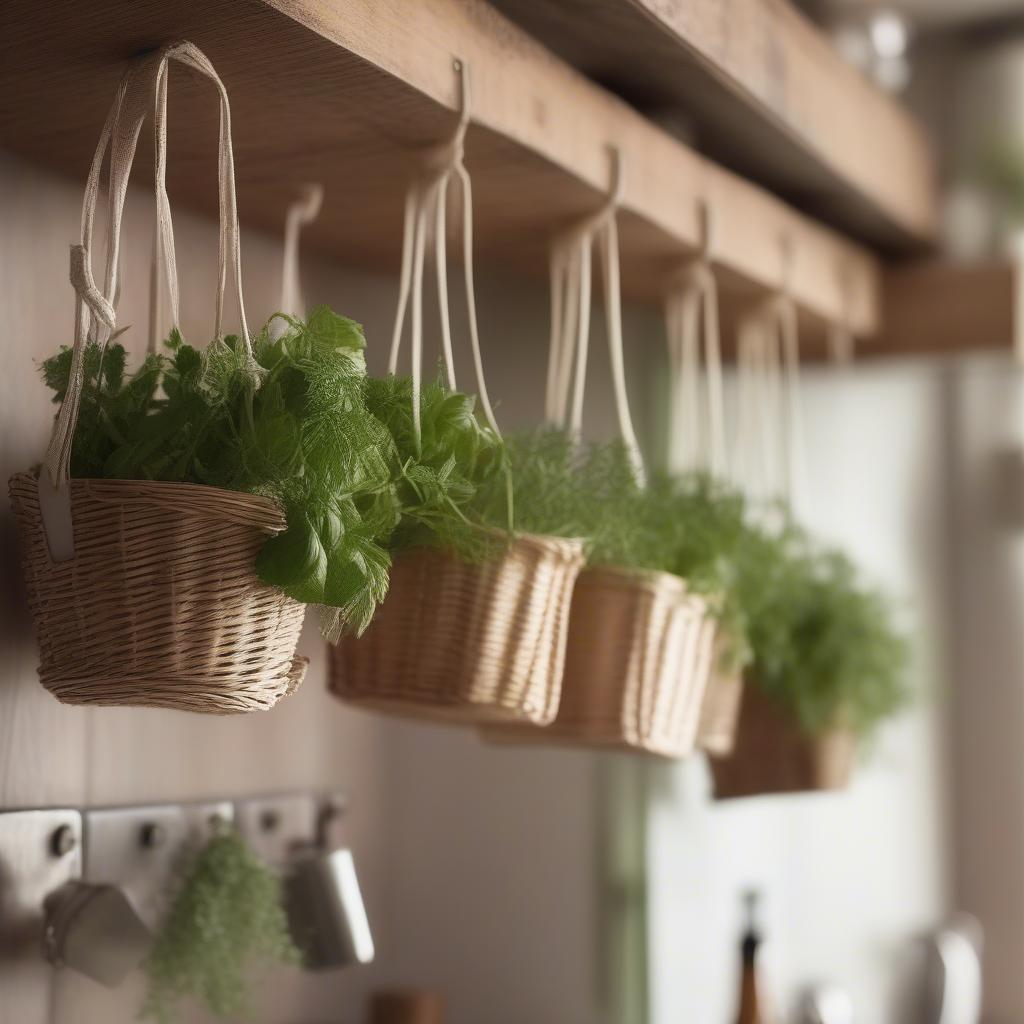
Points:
656	581
570	549
157	492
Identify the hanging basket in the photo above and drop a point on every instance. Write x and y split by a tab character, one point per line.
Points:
470	643
160	605
637	662
720	710
772	754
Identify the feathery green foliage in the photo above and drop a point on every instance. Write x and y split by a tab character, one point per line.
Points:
226	920
566	490
823	643
437	481
820	641
682	525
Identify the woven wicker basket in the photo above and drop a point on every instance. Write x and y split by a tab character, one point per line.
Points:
637	662
466	643
720	711
160	605
773	754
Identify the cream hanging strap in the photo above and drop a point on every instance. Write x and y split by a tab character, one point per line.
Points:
426	204
768	459
570	281
144	87
300	213
696	421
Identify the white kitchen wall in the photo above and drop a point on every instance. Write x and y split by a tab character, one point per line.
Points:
849	880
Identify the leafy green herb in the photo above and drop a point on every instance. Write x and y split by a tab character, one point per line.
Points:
226	921
301	423
293	426
437	481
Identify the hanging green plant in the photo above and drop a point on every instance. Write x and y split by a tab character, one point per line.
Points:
438	479
824	644
689	526
294	426
226	921
563	489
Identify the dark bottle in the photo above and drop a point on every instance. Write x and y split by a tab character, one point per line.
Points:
753	1008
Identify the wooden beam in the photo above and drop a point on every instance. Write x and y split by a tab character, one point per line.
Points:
764	92
344	91
935	308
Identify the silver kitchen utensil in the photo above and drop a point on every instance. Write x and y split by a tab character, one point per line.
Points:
94	930
325	905
953	972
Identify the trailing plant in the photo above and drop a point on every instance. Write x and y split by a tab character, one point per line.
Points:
823	643
226	921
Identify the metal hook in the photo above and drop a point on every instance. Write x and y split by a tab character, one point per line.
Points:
615	192
465	95
787	260
331	809
705	227
841	338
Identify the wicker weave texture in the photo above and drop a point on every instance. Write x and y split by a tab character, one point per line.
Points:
720	711
466	643
637	662
773	754
160	605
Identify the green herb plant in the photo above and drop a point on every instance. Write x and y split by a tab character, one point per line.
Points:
301	423
689	525
439	475
823	643
819	640
225	922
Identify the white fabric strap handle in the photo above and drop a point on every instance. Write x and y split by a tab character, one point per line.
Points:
697	423
426	206
91	305
769	455
571	258
229	243
142	88
303	211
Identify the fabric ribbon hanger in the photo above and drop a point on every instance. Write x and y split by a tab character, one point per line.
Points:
301	212
95	313
570	282
768	460
697	421
426	203
842	343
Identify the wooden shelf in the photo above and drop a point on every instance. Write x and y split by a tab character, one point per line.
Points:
342	91
766	94
936	308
